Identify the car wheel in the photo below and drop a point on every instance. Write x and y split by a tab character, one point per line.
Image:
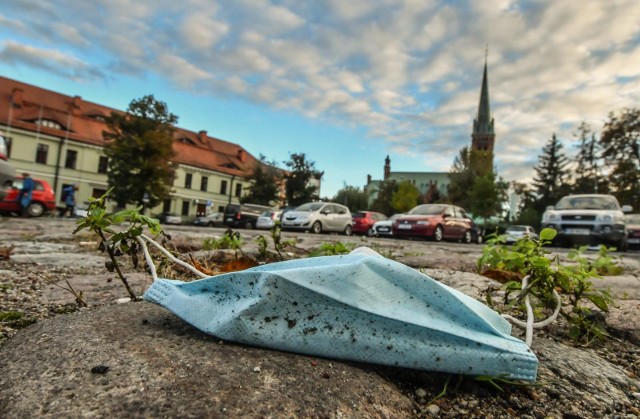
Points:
467	237
248	225
437	234
348	230
370	233
623	246
316	228
35	209
211	224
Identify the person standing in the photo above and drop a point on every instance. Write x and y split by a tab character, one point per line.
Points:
70	198
25	194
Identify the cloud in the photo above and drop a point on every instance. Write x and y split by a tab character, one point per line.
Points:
54	61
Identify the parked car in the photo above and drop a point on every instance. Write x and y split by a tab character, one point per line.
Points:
384	227
215	219
169	218
7	172
515	232
435	221
633	230
363	221
43	199
243	215
268	219
319	217
590	219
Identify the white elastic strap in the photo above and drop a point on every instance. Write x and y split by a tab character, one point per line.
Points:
170	256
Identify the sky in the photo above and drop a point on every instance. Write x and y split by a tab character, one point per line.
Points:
344	82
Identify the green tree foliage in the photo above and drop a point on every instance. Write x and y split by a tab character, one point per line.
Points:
527	213
301	171
432	195
467	167
139	145
405	197
353	198
589	178
264	183
620	142
551	181
382	203
487	195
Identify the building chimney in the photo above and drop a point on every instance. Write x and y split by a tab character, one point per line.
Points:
17	97
75	105
242	156
368	179
202	135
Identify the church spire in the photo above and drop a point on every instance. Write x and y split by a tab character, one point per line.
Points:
483	134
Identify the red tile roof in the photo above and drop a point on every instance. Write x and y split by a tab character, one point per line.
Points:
21	105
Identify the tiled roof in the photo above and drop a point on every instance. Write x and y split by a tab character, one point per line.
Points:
22	104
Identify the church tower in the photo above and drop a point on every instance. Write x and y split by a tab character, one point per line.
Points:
387	167
483	136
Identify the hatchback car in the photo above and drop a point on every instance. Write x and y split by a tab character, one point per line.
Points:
515	232
435	221
7	172
169	218
633	230
363	221
384	227
43	199
319	217
268	219
215	219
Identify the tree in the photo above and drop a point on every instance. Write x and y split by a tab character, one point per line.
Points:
527	213
405	197
352	197
139	145
552	174
382	203
620	142
588	176
264	189
298	188
487	195
467	167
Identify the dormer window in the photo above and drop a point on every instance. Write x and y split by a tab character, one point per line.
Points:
186	141
48	123
99	118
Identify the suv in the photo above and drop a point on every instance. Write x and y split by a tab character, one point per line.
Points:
588	219
243	215
7	172
318	217
43	199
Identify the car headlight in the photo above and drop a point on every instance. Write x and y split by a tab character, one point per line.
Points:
550	216
607	217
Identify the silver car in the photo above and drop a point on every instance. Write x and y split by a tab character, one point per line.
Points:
268	219
7	172
319	217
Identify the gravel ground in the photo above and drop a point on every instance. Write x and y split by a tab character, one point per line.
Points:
47	261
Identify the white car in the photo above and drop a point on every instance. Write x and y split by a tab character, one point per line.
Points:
215	219
383	228
516	232
268	219
319	217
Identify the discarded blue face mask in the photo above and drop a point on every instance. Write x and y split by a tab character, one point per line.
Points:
359	307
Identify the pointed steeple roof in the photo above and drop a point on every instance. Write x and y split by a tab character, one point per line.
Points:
484	123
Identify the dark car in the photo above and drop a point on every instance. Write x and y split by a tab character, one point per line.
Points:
7	172
43	199
243	215
363	221
435	221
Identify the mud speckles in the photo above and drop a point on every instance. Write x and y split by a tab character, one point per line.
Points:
309	330
291	323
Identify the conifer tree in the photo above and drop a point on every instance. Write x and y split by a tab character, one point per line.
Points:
589	178
264	189
551	181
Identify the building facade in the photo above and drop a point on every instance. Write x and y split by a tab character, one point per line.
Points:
59	139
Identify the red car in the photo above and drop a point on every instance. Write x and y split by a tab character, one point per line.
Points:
43	199
435	221
363	221
633	230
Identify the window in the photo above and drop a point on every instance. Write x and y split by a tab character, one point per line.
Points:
7	142
97	193
203	183
187	181
223	187
72	158
185	208
220	208
103	164
166	205
48	123
41	153
238	189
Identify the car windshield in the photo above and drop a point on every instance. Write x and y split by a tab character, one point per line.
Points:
266	214
517	228
587	202
633	218
427	210
358	214
310	207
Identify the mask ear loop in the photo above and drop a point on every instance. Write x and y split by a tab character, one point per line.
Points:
529	325
143	238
